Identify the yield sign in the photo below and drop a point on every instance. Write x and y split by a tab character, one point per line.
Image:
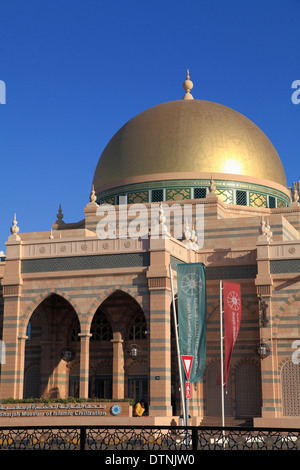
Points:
187	364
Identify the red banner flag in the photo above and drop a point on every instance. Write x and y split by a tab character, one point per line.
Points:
232	320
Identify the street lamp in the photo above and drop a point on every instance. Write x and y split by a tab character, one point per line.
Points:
263	350
67	354
134	351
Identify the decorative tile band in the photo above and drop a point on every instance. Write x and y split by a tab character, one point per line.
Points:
285	266
224	272
86	262
230	192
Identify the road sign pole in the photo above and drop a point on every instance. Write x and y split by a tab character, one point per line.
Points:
187	364
177	347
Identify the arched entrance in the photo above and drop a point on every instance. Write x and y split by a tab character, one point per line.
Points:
101	354
119	330
138	382
213	397
290	389
248	390
50	345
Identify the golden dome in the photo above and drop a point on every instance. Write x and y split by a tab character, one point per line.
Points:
188	136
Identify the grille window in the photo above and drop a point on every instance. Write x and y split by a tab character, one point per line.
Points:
290	389
157	195
100	328
138	328
272	204
75	332
199	193
241	198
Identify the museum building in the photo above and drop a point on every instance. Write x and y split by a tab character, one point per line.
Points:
85	314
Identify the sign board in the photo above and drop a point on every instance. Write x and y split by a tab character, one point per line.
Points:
188	390
187	364
192	315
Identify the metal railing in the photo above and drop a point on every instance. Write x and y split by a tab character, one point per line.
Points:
150	438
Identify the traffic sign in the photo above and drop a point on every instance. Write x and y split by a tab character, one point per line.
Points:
187	364
188	393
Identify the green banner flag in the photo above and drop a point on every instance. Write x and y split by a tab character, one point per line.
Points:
191	287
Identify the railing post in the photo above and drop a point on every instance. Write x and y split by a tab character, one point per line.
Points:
82	438
194	438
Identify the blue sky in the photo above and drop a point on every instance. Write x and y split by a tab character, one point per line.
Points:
76	70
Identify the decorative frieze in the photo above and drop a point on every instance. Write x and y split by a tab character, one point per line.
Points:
11	291
159	283
65	247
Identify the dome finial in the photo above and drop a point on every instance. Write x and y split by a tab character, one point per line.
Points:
14	230
93	195
188	85
60	216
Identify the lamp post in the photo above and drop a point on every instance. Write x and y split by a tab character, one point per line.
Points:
67	354
263	350
134	351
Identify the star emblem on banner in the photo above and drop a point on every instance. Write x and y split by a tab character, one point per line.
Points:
233	300
191	284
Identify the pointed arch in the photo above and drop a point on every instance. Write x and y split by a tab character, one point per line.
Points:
34	304
52	320
288	317
102	297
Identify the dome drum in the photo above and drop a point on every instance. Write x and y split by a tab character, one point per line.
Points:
230	192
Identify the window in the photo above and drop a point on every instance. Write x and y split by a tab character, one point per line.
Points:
157	195
74	386
32	382
75	331
138	328
101	329
241	198
290	389
199	193
28	331
272	202
103	386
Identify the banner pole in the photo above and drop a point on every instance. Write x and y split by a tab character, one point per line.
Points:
178	351
222	359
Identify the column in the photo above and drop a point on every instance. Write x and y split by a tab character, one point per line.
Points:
11	375
160	327
20	366
118	367
160	353
264	284
160	331
84	364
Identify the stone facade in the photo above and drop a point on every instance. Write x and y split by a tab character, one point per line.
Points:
101	297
